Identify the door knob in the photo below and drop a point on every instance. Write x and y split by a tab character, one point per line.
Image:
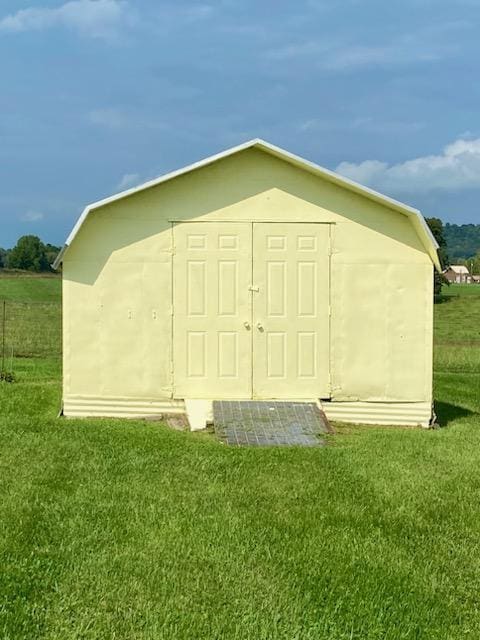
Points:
259	326
246	324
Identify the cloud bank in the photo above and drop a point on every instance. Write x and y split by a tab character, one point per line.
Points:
94	18
457	167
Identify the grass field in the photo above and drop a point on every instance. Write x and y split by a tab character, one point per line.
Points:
457	330
126	529
30	288
30	308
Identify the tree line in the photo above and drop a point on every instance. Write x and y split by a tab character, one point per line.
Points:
463	241
29	254
463	245
441	233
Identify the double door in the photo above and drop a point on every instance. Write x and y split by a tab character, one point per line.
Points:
251	310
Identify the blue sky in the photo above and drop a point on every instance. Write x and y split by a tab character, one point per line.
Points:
98	95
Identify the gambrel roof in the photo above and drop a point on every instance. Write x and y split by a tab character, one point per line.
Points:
418	220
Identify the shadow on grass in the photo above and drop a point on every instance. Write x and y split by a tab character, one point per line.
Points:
447	413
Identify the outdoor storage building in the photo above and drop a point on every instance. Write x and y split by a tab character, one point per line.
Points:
251	274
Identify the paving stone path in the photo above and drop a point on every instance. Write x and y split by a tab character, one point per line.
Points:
263	423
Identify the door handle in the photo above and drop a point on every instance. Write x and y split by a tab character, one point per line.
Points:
246	324
259	326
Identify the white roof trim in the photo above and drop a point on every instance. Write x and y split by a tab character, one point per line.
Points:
419	221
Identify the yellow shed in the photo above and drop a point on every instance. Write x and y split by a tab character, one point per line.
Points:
251	274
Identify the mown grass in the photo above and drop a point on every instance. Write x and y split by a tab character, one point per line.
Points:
126	529
456	290
32	329
32	288
457	329
30	316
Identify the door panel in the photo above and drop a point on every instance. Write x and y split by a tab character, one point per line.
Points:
291	310
212	302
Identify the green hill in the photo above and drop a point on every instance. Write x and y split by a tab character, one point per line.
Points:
463	240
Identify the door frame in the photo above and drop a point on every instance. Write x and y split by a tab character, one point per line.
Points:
176	222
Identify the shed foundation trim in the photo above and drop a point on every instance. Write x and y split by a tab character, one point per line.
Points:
413	414
91	406
199	412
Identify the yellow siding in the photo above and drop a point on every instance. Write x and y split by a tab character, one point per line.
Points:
118	282
381	318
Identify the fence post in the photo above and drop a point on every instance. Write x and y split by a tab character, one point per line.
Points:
4	316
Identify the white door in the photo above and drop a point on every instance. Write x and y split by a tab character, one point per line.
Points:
251	310
291	317
212	340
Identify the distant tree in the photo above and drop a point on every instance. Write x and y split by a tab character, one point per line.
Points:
3	257
437	228
51	252
474	264
463	240
29	254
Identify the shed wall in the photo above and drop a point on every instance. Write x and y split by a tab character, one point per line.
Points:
117	282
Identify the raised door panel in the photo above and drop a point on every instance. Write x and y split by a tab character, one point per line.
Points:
212	310
291	353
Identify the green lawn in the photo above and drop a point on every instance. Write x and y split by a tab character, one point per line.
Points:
32	288
126	529
457	330
461	290
30	308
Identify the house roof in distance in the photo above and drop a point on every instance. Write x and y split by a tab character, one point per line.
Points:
418	220
459	268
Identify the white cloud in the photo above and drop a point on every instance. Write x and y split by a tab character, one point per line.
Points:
372	125
129	180
94	18
342	57
301	49
361	124
198	12
110	118
32	216
118	118
457	167
428	44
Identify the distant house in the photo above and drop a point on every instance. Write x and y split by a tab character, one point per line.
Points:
458	274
